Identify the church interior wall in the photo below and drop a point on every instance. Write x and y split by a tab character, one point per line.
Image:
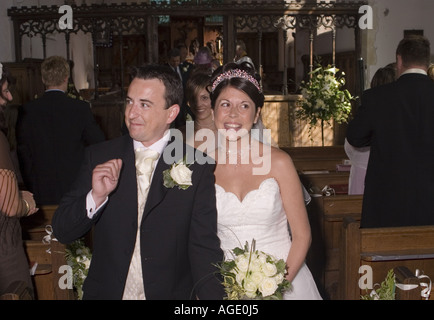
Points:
391	18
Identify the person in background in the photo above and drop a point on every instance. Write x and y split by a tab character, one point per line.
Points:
431	71
395	120
185	66
199	102
174	62
52	133
240	50
203	60
8	120
215	64
359	157
14	204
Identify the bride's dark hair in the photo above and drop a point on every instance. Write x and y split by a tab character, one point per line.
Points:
248	85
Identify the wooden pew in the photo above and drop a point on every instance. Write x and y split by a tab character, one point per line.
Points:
317	166
49	258
34	226
382	249
317	181
316	158
326	215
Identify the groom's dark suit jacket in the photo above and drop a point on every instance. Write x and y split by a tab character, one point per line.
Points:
397	121
179	242
52	133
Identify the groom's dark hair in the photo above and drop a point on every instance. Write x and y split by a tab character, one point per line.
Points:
174	92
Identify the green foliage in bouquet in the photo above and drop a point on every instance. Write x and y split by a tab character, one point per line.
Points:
253	275
78	257
324	98
386	291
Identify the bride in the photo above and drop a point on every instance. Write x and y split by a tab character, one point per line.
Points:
258	191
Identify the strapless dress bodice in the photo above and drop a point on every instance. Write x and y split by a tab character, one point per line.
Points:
259	215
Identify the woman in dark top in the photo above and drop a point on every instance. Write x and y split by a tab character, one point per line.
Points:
14	204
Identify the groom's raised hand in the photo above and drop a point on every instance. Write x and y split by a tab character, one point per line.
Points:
105	178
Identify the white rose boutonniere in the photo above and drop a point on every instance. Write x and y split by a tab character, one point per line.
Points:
178	175
186	67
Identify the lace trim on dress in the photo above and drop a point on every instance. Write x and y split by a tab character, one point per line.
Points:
249	192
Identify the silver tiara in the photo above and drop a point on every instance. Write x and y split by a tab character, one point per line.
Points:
235	73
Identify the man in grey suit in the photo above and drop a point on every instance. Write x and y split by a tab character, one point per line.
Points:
397	121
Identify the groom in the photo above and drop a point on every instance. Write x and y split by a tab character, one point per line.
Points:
160	248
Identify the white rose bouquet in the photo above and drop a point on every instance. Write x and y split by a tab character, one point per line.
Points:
178	175
78	257
253	274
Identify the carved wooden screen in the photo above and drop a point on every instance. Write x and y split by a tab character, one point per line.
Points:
103	21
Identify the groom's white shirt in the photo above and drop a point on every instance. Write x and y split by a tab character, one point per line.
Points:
157	146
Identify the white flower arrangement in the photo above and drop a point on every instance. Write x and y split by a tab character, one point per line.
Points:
253	274
178	175
324	97
78	257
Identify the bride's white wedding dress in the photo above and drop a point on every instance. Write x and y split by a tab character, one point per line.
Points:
261	216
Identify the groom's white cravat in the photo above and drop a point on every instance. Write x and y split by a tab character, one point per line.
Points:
145	160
